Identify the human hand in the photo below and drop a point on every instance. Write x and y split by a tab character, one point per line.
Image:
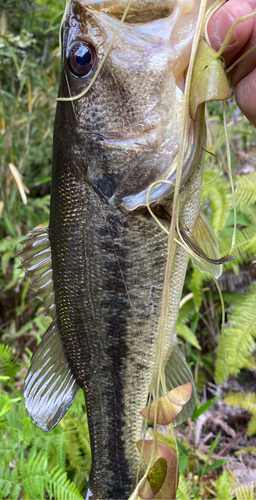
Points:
243	75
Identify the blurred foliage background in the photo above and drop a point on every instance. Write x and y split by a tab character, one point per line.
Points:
56	465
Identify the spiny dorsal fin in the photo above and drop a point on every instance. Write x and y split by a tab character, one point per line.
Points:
50	387
37	264
177	372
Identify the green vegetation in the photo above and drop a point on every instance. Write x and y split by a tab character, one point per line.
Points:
56	465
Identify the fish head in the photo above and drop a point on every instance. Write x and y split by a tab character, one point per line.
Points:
129	122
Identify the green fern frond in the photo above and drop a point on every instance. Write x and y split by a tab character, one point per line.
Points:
218	195
248	449
223	487
252	426
239	335
186	334
245	243
183	492
186	312
8	489
222	369
54	446
246	189
196	287
62	487
244	492
8	362
248	403
249	211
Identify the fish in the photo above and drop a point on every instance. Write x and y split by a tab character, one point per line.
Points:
99	268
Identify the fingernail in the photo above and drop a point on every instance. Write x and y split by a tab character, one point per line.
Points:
223	23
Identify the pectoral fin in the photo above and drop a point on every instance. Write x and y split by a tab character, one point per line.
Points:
50	387
204	243
177	372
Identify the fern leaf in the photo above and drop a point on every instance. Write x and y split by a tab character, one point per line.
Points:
62	487
246	189
34	486
186	333
245	492
239	335
8	362
252	426
222	370
5	487
220	199
248	403
196	287
16	491
223	487
183	492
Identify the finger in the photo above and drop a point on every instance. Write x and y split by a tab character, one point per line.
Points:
244	67
245	96
222	20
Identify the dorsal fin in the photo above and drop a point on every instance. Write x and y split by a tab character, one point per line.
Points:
50	387
37	264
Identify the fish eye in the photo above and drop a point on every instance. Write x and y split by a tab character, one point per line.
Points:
81	58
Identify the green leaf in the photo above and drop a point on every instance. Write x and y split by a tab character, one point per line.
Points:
198	468
186	333
209	81
215	465
206	406
183	462
157	475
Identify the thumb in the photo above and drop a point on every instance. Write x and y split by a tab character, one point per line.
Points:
222	20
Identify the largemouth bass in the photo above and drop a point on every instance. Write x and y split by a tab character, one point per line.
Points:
100	267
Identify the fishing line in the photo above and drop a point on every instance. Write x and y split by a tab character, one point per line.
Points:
172	244
233	242
69	91
230	31
209	14
241	58
103	59
189	195
68	2
183	244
